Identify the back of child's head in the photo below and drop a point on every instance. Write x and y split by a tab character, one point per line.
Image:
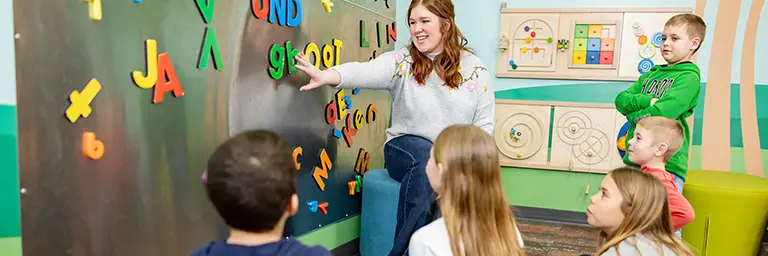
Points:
251	180
646	211
694	25
473	203
664	130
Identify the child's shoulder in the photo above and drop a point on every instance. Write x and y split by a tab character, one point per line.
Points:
289	247
638	245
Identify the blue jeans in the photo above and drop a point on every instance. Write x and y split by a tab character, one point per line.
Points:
679	183
406	158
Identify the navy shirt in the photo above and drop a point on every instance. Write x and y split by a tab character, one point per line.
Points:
290	247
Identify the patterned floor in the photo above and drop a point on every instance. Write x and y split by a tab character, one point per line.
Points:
545	238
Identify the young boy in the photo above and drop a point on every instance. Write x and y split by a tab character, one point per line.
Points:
251	181
670	90
656	140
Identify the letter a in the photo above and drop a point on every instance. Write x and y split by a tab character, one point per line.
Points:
165	70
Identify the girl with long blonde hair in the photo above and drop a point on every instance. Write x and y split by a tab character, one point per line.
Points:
632	210
435	82
464	170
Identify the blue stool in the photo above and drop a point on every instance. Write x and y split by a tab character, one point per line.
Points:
378	214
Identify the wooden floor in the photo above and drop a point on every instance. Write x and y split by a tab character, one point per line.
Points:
546	238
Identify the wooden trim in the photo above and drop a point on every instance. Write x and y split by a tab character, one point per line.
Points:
555	103
503	74
594	10
550	167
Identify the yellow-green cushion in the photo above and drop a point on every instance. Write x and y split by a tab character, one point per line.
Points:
731	212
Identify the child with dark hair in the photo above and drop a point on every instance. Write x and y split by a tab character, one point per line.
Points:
251	181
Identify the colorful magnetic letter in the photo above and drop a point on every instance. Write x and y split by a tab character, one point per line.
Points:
260	12
338	44
378	33
359	180
277	11
371	115
298	151
327	4
348	131
359	119
331	114
391	33
210	47
363	41
322	206
355	91
348	101
351	186
312	206
146	82
337	133
206	9
291	59
341	104
92	148
322	173
276	58
363	158
94	9
165	71
80	101
312	49
293	20
327	56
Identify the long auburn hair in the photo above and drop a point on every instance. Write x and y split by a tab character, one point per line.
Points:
473	204
646	211
446	64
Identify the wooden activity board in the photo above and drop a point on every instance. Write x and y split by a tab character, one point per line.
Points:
584	44
583	137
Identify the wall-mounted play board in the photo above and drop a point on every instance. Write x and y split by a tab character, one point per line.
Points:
580	137
121	104
584	44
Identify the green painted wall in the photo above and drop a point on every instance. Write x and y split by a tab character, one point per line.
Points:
10	218
334	235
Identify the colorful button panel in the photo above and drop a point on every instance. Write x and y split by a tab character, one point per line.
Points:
579	57
606	57
606	44
595	31
593	57
580	44
593	44
581	31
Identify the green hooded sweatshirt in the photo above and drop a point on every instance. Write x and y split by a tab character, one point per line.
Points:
677	89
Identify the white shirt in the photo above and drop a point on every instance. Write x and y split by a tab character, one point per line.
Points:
433	240
638	245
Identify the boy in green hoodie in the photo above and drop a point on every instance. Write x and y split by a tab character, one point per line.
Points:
670	90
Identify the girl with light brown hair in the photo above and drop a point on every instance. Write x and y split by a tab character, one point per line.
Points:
632	210
464	170
435	82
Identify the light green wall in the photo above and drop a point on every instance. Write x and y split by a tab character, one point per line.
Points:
10	218
334	235
562	190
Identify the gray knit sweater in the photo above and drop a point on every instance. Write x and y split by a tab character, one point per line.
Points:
425	109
